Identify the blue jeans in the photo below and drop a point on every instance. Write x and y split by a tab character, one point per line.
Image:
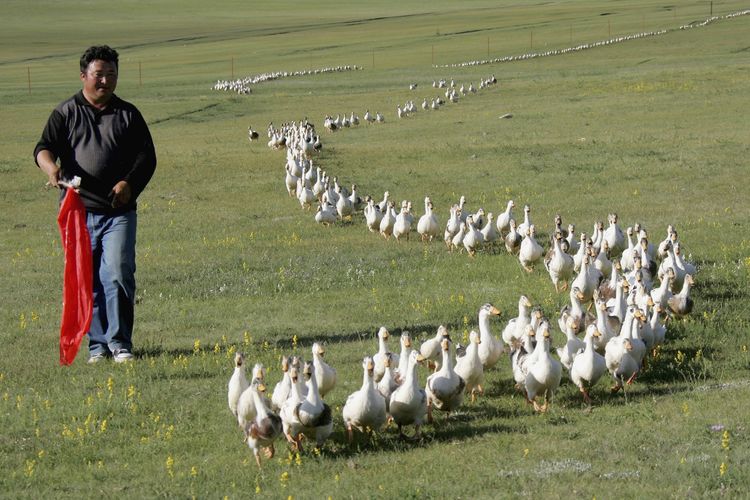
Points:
113	252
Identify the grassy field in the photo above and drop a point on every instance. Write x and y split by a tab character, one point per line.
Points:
654	129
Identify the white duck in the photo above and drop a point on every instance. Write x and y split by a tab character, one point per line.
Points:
237	383
408	404
490	348
365	408
427	226
544	373
469	367
517	326
402	226
265	428
444	388
325	374
588	366
503	219
383	353
530	251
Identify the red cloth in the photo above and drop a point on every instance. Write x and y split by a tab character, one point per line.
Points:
77	281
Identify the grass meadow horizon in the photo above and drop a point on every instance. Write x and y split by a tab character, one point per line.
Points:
653	129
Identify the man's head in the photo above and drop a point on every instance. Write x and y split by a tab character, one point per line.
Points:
99	73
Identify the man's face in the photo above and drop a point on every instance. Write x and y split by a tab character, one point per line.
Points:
99	80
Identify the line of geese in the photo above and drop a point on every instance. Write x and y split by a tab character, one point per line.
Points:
243	85
592	45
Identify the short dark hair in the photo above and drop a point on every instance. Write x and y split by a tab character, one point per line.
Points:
101	52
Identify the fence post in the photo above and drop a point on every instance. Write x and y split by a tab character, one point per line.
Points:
140	75
28	75
531	39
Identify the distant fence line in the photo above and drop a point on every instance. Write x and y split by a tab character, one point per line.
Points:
242	85
585	46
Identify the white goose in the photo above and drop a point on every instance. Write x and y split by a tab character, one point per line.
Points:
520	357
517	326
490	348
246	409
388	221
473	238
573	344
523	227
614	237
325	374
326	214
513	239
681	304
403	357
431	348
427	226
503	219
237	383
408	404
544	373
265	428
365	408
559	265
383	353
588	366
444	388
452	226
530	251
283	388
402	225
458	238
469	367
388	383
489	232
313	416
373	216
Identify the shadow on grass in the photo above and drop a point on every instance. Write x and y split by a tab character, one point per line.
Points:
284	341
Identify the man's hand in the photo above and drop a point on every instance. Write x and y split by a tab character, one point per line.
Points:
46	162
121	194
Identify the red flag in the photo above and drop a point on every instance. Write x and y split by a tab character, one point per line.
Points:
77	281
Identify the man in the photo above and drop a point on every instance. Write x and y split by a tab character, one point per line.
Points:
105	141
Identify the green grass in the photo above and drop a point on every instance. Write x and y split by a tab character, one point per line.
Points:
654	129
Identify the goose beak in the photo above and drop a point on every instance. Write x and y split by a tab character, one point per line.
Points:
495	311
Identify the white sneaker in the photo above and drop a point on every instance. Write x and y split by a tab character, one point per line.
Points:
95	358
122	355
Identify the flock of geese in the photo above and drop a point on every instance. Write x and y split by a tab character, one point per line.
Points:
623	290
628	323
